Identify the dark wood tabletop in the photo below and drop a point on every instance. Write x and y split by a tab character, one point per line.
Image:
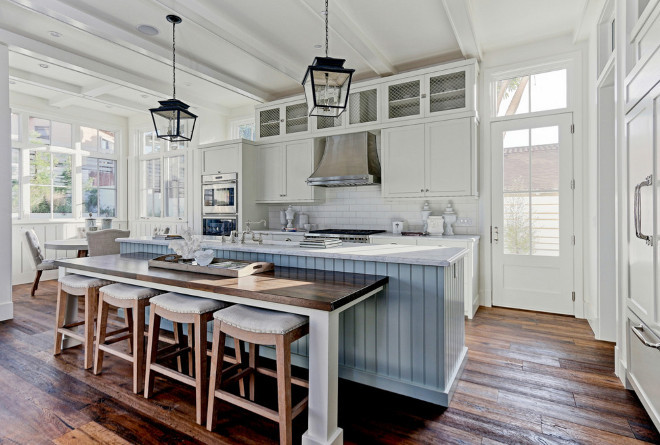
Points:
311	288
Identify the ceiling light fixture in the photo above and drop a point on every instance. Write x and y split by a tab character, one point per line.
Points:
172	120
148	30
318	46
43	65
145	95
54	34
327	82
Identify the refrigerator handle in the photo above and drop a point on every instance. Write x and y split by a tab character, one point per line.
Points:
637	330
637	210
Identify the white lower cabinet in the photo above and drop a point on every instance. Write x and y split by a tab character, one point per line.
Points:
643	365
430	160
282	171
471	275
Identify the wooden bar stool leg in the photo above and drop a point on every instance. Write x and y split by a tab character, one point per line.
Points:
60	313
177	330
138	344
191	345
254	354
128	322
152	350
91	297
35	285
283	347
101	328
217	356
201	377
240	359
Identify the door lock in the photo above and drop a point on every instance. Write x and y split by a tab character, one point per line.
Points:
494	234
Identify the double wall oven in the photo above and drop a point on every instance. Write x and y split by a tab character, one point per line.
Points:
219	204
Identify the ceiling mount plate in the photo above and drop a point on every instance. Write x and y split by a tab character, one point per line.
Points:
174	19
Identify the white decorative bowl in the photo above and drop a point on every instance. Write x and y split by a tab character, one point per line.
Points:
204	257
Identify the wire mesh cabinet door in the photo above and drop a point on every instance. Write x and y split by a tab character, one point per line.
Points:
450	91
363	106
404	99
269	122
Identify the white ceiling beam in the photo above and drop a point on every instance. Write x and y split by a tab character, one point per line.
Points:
66	59
350	32
64	100
90	24
462	23
40	80
199	13
591	13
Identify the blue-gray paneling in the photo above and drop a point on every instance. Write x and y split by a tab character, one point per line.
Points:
407	339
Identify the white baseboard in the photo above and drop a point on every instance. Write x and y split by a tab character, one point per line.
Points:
6	311
28	277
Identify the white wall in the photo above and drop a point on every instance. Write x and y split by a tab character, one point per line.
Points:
6	305
364	208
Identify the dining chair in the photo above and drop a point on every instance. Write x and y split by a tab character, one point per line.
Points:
103	242
38	261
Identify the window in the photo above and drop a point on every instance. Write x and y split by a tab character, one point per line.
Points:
100	141
243	128
15	181
531	93
150	190
46	132
99	186
175	179
15	127
162	177
50	184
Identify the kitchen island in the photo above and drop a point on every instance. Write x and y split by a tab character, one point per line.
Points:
407	339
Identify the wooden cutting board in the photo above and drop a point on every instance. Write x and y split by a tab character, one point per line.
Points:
219	266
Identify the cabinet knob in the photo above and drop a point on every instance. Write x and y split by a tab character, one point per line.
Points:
422	190
424	96
427	190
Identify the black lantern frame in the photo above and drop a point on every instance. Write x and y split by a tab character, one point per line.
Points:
173	115
323	69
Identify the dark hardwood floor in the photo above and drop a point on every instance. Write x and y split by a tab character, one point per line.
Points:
531	378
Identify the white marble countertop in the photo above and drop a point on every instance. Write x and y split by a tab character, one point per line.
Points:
452	237
388	253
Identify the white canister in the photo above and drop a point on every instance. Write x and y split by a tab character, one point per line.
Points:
397	227
303	220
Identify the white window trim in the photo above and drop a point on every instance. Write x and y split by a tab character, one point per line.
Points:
236	123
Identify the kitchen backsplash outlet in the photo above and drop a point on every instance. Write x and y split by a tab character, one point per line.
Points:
364	208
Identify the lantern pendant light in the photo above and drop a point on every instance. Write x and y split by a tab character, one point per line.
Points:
172	120
327	83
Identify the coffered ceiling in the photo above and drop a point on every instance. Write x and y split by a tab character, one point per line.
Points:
235	53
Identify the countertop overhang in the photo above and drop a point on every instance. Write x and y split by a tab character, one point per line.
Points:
311	288
386	253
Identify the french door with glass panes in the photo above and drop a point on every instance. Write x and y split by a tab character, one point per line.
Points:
532	213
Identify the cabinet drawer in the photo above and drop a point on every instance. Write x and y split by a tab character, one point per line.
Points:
643	367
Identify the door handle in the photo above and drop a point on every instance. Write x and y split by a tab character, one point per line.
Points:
637	330
495	234
637	210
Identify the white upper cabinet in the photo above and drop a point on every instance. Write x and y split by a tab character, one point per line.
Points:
402	166
322	124
220	159
363	106
283	170
427	160
403	99
450	91
280	120
449	154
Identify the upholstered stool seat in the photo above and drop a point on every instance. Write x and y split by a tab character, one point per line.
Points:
257	327
134	300
82	282
196	312
185	304
260	321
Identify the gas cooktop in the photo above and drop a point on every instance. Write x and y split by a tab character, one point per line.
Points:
346	232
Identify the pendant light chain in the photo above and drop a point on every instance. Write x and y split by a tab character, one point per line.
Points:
326	28
173	60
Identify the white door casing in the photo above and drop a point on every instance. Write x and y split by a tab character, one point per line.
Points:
532	213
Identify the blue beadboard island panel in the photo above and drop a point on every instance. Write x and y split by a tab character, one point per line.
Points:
408	339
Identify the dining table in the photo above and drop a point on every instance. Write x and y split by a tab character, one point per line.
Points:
79	244
321	295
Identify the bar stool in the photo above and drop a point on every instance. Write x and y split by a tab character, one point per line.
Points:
77	285
181	309
258	327
134	300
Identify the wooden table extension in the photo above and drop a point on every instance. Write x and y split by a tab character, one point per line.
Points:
318	294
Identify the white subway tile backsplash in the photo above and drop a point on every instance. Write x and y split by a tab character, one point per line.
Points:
365	208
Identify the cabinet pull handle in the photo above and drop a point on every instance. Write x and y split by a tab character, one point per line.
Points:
637	210
427	190
637	330
496	234
422	190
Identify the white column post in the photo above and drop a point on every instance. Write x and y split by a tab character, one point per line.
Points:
323	380
6	305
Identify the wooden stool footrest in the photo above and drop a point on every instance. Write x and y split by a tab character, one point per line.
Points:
248	405
294	380
72	334
115	340
238	376
172	354
117	332
112	351
183	378
73	325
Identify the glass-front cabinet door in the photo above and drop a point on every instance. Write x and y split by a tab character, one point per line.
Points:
403	99
363	107
446	92
269	122
296	118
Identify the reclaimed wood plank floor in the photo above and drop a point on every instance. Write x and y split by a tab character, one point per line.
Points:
531	378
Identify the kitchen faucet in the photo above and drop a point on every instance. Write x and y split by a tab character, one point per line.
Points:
248	230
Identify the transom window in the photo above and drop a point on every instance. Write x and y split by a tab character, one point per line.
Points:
531	93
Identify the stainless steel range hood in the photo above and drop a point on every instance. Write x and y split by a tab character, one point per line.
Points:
348	160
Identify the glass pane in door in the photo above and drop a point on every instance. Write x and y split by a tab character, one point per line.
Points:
531	191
